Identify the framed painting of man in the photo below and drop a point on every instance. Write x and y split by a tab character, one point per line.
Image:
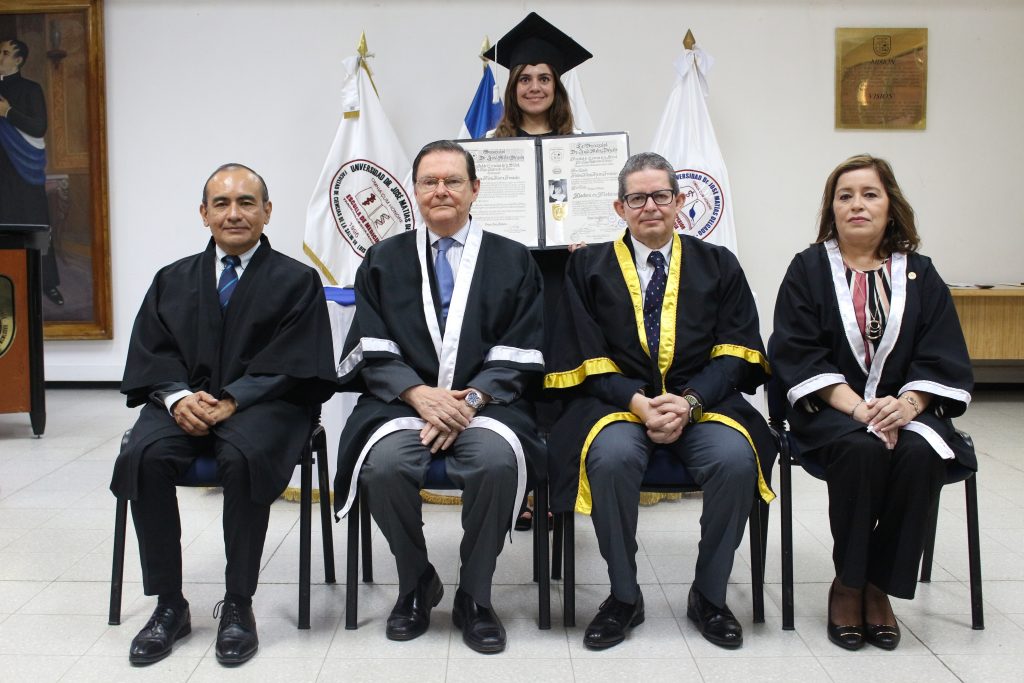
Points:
53	154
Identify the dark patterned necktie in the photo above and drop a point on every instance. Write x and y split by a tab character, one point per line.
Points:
443	271
228	279
653	299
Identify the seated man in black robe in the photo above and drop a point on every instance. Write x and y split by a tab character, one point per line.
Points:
445	342
230	356
656	337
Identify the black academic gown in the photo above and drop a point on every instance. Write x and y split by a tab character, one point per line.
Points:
275	325
816	343
710	345
494	333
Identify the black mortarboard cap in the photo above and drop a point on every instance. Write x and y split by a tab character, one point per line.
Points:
537	41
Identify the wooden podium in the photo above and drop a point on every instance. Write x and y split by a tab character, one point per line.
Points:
21	322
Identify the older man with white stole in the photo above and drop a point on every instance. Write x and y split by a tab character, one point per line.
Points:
444	346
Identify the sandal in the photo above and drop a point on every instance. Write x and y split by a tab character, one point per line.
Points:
524	522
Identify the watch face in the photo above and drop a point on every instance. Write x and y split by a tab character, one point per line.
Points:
474	399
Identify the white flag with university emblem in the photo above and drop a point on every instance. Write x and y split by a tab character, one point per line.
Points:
364	193
687	139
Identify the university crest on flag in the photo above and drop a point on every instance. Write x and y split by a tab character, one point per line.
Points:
368	204
702	209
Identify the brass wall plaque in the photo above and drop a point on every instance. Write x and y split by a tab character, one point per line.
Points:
7	328
881	78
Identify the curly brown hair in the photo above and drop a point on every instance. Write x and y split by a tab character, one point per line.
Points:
559	115
901	233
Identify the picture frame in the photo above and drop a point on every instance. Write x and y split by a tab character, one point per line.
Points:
64	39
881	79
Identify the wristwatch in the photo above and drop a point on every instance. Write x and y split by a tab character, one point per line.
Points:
475	400
696	409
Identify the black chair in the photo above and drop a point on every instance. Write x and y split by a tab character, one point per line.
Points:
203	472
789	455
665	474
437	478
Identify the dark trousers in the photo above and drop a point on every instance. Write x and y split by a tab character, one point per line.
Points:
482	464
158	524
719	459
878	504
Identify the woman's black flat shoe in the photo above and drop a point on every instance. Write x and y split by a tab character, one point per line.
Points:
846	637
882	635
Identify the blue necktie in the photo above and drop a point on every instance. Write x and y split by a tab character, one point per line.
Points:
228	279
443	271
653	299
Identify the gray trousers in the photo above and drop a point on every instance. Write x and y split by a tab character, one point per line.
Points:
482	464
719	459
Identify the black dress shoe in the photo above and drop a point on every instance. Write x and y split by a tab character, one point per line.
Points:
237	641
613	619
481	627
411	615
882	635
847	637
716	624
157	637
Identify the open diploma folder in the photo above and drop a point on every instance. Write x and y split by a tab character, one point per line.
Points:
550	191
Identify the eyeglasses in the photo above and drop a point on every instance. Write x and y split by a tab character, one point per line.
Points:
638	200
454	184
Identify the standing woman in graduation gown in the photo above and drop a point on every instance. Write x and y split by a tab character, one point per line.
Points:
869	349
536	53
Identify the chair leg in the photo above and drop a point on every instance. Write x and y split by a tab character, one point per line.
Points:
756	562
974	551
569	583
305	533
326	523
540	555
556	547
535	539
929	541
352	566
786	522
367	539
117	566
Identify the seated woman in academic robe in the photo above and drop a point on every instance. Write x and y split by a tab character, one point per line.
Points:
869	349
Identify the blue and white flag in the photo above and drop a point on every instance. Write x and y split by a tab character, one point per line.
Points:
686	138
364	193
485	110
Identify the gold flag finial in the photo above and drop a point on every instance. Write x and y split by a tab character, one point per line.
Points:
484	47
364	54
689	41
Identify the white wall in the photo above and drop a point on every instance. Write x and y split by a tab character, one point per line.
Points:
192	84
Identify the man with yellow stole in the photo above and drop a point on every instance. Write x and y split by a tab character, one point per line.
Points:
656	339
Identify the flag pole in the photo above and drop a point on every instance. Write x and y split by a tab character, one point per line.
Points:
689	41
364	54
484	47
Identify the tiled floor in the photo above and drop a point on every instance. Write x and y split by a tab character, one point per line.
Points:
56	519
